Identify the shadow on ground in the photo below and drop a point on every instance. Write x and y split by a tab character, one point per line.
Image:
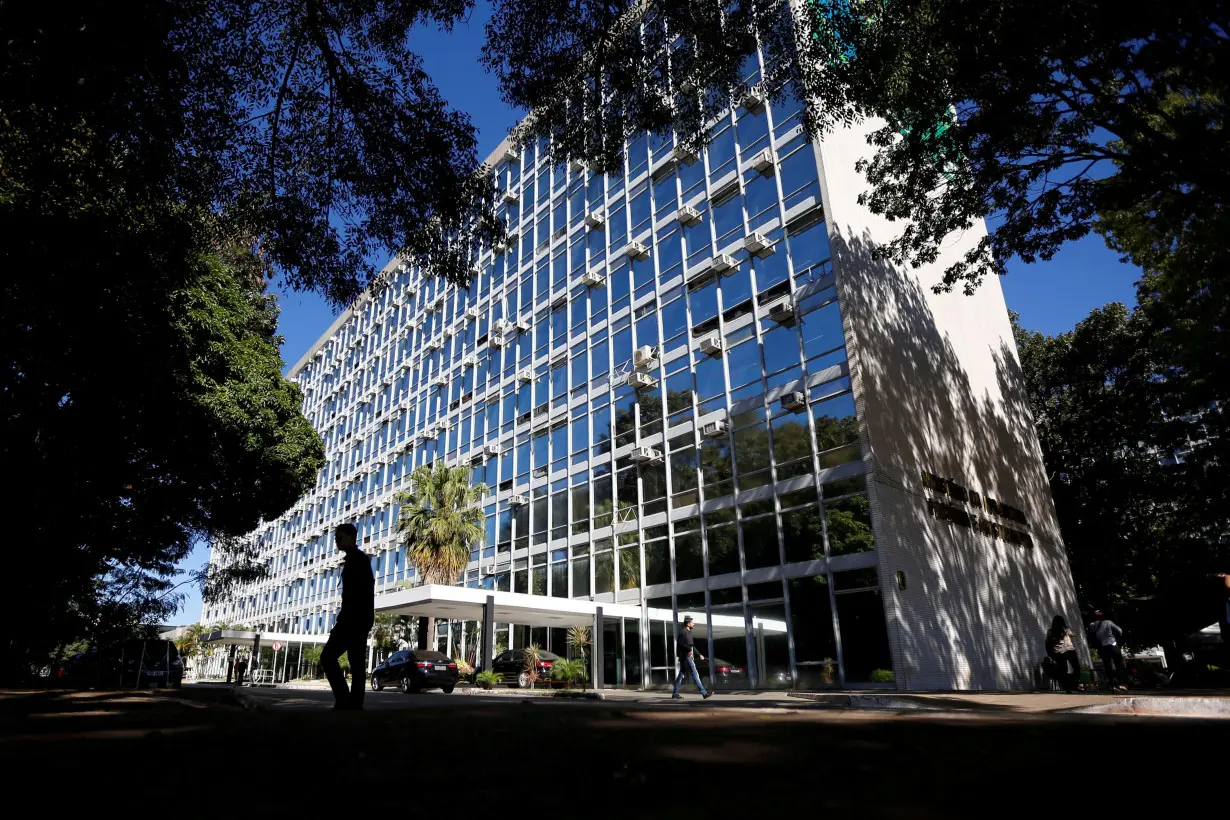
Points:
603	759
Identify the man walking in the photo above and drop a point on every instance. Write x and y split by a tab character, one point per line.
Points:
684	647
1104	635
354	622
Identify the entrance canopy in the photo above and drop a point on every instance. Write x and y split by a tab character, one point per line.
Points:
466	604
237	637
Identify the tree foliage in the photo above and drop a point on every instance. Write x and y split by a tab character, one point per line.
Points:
1135	476
1043	122
440	520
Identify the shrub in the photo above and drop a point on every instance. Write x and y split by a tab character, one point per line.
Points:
488	679
568	671
883	676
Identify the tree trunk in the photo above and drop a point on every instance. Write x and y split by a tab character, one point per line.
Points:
427	632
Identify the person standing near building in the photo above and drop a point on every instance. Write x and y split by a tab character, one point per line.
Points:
354	622
1061	649
1104	635
684	648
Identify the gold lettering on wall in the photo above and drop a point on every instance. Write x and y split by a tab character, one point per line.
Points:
949	501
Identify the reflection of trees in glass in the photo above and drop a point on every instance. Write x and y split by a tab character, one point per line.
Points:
538	577
790	440
834	431
715	460
630	567
683	470
760	542
657	562
849	525
689	561
723	549
677	400
802	535
604	579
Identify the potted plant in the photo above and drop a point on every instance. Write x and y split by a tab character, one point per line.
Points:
568	671
488	679
529	673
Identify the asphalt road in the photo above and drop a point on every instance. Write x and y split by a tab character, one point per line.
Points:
446	755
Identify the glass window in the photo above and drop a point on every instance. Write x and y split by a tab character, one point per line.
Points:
864	637
848	524
801	533
836	430
760	542
723	549
689	559
822	331
815	644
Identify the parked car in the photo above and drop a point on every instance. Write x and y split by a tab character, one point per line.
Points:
148	663
511	665
413	670
131	664
725	673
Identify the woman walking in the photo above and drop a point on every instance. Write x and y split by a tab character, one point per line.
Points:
1061	649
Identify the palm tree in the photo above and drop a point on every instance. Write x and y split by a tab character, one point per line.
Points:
440	520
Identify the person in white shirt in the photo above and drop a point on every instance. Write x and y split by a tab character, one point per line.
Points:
1104	635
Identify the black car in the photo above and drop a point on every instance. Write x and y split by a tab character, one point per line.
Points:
131	664
413	670
511	665
725	673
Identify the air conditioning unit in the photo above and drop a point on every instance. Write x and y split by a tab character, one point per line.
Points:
590	279
644	454
782	311
491	450
472	313
758	244
496	340
595	219
713	345
578	165
518	500
440	381
510	197
712	266
644	355
639	381
794	401
501	326
763	161
714	429
511	154
434	344
522	325
525	375
688	215
754	98
412	290
412	323
469	361
637	250
442	425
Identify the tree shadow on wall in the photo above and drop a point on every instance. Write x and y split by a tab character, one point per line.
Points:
940	389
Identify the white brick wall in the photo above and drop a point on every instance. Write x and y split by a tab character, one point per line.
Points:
938	388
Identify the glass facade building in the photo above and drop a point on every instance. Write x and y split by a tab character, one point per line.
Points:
652	378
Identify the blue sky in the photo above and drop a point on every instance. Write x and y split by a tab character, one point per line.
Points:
1050	296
